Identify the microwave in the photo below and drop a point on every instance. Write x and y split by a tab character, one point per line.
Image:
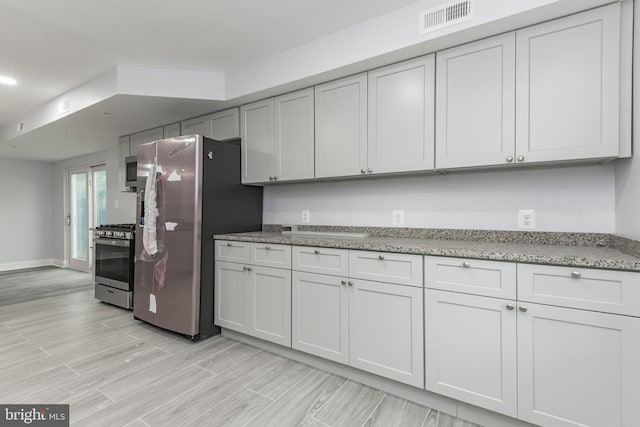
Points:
131	171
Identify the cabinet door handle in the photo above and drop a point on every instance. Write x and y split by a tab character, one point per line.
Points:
380	257
350	283
275	178
509	159
343	282
267	247
363	170
270	178
247	268
369	170
521	158
523	308
575	274
466	264
244	268
510	306
229	244
317	252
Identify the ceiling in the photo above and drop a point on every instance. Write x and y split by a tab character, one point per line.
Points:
51	47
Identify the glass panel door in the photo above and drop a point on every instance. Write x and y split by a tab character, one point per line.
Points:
87	209
78	219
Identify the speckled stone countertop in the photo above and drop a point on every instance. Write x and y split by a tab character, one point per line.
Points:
583	250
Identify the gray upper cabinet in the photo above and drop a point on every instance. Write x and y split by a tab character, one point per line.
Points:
341	127
401	117
277	138
225	124
172	130
568	87
294	136
144	137
475	103
198	125
258	136
220	126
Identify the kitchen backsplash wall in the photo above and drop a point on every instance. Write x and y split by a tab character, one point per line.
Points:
574	199
25	215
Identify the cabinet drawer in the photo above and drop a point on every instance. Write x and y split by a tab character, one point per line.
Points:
471	276
386	267
589	289
320	260
265	254
231	251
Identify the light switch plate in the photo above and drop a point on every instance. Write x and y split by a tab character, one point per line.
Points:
397	217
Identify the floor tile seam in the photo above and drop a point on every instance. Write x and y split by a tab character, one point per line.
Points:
330	397
311	372
375	408
256	392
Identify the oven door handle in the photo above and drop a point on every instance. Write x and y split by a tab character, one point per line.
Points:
112	242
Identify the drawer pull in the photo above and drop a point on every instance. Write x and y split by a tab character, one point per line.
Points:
575	274
229	244
350	283
510	306
523	308
380	257
343	282
247	268
317	252
466	264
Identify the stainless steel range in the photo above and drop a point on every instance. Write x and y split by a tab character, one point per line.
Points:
113	249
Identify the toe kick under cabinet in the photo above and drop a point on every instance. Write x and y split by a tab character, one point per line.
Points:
557	347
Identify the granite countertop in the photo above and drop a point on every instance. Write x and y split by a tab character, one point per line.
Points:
594	256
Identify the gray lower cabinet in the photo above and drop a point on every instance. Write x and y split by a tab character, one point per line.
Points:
254	300
470	351
370	325
320	315
386	330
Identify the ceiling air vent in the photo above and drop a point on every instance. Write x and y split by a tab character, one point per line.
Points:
444	15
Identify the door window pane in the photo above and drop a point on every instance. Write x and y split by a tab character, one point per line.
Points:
100	197
79	217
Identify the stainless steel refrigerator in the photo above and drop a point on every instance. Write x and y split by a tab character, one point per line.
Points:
188	190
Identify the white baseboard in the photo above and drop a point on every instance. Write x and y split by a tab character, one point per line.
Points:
20	265
60	263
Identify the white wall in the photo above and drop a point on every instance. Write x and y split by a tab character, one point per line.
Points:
124	213
578	199
628	170
25	215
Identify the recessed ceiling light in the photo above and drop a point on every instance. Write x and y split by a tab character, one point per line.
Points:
7	80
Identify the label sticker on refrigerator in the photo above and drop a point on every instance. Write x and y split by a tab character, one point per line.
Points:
174	176
170	226
152	303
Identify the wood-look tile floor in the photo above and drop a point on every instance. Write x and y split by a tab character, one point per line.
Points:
63	346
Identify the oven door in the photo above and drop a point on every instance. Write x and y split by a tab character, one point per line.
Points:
113	263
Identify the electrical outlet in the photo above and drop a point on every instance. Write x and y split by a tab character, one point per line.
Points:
527	219
305	216
397	217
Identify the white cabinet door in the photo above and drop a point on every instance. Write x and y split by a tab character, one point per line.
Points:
270	304
341	127
401	116
470	349
578	368
257	133
386	330
199	125
225	124
144	137
320	315
124	151
231	296
172	130
475	103
568	87
294	136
